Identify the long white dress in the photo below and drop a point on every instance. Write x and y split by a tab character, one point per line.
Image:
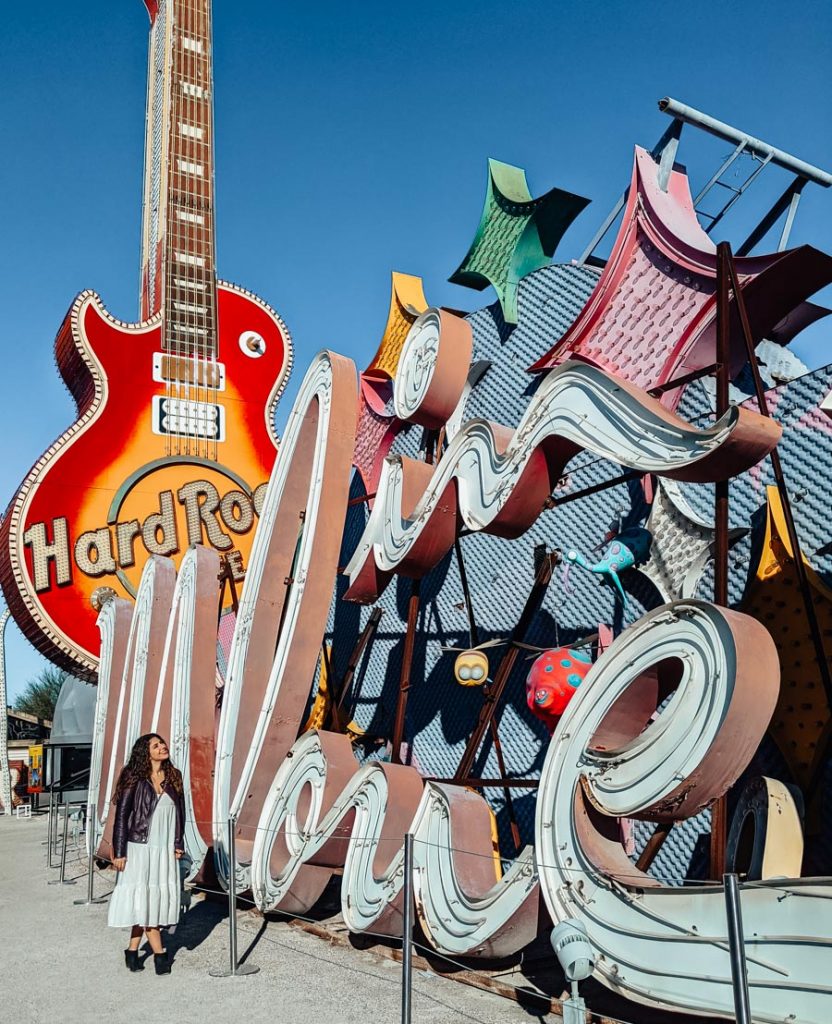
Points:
147	891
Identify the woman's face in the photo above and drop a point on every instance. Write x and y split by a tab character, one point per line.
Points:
158	749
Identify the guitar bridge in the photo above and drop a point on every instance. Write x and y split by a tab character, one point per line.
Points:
187	418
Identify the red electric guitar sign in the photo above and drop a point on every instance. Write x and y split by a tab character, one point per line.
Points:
174	439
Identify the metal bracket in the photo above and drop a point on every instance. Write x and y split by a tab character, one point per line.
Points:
664	152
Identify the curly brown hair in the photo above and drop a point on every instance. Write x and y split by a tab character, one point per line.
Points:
138	766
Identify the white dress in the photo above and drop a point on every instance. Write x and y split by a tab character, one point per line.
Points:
147	891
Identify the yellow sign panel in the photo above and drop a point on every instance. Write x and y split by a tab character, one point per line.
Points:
35	769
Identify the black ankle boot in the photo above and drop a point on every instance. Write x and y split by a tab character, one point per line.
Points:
161	962
131	960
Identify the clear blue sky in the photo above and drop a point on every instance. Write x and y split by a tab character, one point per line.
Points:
351	141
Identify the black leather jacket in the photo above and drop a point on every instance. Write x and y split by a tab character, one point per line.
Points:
134	810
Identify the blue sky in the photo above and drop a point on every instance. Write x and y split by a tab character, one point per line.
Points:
352	141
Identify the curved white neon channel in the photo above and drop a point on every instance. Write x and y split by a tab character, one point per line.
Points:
453	920
138	647
668	946
577	403
156	577
179	647
106	623
417	363
316	387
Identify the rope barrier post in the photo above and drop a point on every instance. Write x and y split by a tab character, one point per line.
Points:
53	833
49	823
235	969
55	838
62	879
736	940
407	931
91	898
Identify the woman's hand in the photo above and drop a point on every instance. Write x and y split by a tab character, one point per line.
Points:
178	853
119	863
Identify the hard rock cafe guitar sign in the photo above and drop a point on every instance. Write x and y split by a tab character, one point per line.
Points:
174	438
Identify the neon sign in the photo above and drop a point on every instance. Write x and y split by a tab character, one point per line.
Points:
304	808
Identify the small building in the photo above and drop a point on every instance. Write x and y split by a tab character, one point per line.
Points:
24	731
69	747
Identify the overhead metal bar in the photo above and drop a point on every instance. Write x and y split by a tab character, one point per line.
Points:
664	152
763	150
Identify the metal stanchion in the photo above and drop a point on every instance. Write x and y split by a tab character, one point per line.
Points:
407	931
235	968
736	940
62	879
49	822
53	849
90	867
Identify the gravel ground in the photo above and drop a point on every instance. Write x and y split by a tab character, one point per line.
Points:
62	965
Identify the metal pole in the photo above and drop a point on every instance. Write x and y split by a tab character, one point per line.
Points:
234	969
782	489
787	201
719	812
49	822
763	150
53	849
90	883
62	879
367	636
5	768
407	931
232	895
653	846
473	636
494	691
723	358
736	940
91	899
407	662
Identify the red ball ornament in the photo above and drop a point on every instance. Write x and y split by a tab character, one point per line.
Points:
552	681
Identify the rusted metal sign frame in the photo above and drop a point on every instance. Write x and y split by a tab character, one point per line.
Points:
665	153
494	692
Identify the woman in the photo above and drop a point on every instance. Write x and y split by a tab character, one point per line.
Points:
147	842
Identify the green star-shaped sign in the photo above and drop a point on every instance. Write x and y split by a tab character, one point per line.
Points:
516	234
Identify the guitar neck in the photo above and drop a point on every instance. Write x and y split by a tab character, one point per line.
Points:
178	261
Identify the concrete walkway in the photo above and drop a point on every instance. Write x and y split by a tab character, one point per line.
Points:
62	965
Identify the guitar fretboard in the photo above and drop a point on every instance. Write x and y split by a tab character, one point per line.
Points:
179	263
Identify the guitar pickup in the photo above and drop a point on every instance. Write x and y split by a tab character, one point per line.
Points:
185	418
199	373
